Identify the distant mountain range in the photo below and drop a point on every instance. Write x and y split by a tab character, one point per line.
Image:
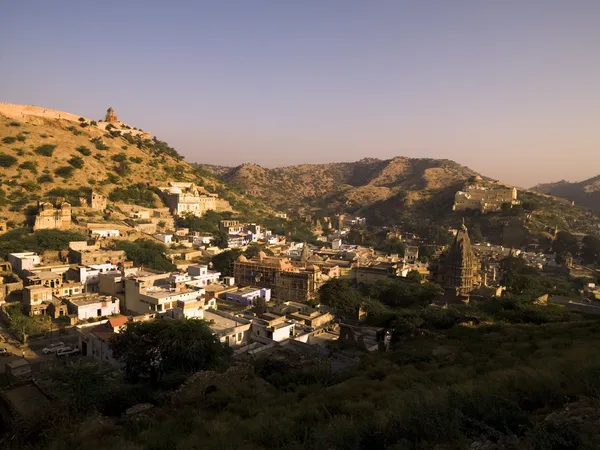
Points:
349	185
584	193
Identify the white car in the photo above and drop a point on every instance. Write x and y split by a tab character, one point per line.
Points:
67	351
53	348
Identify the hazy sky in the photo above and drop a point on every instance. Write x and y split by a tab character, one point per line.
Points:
510	88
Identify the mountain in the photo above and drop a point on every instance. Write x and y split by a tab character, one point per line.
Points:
346	186
48	155
584	193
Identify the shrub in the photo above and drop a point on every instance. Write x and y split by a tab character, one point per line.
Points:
21	137
94	123
45	178
7	160
74	130
124	147
119	158
81	119
45	149
64	171
76	162
30	186
84	150
14	124
29	165
109	127
123	168
9	139
43	135
136	159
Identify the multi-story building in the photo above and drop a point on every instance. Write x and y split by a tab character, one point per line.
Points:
49	217
88	306
288	281
201	276
93	255
22	262
187	198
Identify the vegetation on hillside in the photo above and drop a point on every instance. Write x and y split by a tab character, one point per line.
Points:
21	240
147	253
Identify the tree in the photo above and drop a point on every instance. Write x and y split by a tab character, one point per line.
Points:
414	275
7	160
223	262
565	242
154	348
340	295
591	249
148	253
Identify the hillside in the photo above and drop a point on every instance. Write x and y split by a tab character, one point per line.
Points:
48	155
585	193
348	186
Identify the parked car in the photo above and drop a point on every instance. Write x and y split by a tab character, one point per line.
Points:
4	352
53	348
67	351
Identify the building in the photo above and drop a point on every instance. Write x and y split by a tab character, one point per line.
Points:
189	309
97	201
458	269
272	327
49	217
35	299
151	292
484	199
248	295
231	330
187	198
379	270
94	339
411	254
287	281
93	255
111	117
87	306
202	275
22	262
104	232
231	226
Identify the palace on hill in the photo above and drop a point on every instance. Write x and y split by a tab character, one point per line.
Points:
483	198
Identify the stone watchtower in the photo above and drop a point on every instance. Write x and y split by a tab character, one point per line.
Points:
111	117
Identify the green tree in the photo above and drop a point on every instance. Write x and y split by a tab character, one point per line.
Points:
591	249
76	161
7	160
147	253
565	242
414	275
45	149
154	348
223	262
340	295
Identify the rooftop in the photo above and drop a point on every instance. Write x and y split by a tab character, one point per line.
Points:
88	299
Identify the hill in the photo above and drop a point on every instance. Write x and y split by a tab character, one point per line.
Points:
47	154
585	193
345	186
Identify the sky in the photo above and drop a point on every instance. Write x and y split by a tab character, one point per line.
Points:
510	88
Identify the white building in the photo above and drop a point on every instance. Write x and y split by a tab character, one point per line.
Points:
87	306
187	198
270	327
201	276
164	238
248	294
104	232
24	261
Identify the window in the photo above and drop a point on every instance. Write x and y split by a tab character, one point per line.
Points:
239	336
99	312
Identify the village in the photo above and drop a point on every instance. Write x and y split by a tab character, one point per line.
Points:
267	300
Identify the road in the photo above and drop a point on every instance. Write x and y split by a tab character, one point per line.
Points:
33	354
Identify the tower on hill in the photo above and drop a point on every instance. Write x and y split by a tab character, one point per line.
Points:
111	117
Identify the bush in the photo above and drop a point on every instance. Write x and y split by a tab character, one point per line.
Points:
9	139
76	162
136	159
64	171
94	123
29	165
45	149
85	151
21	137
119	158
45	179
7	160
30	186
81	119
14	124
138	194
